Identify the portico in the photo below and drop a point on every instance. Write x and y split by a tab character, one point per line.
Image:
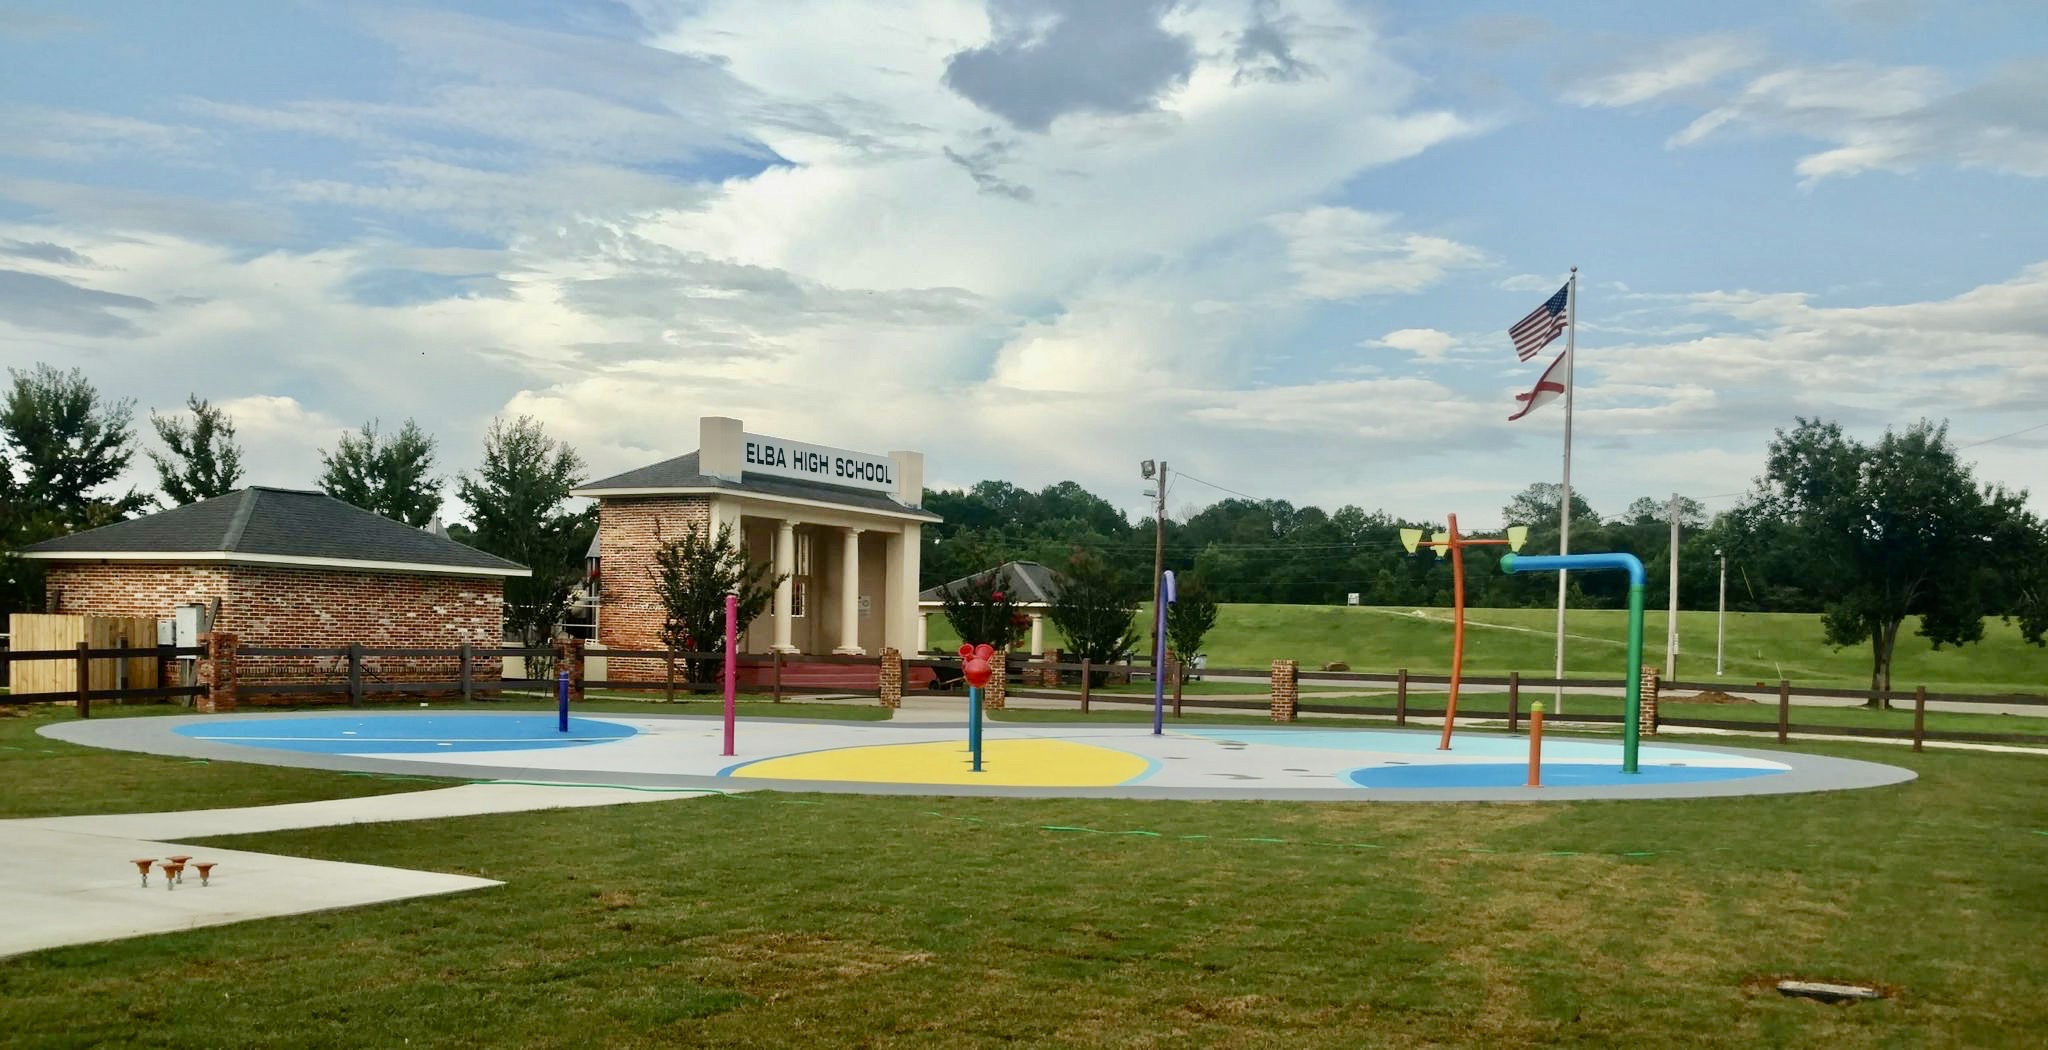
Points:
840	528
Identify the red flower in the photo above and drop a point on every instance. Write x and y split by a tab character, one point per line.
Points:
997	596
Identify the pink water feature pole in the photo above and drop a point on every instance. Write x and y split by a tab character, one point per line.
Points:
732	634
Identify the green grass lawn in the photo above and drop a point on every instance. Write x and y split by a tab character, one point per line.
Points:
1762	647
41	777
774	920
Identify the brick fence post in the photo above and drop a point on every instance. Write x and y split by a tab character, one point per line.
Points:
998	689
569	656
1646	704
1049	676
1286	689
891	686
218	674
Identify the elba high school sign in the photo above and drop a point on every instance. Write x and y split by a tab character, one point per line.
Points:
783	458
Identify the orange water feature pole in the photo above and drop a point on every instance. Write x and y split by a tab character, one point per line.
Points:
1457	545
1452	545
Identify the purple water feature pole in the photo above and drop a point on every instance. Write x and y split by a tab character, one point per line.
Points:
562	700
1166	597
732	634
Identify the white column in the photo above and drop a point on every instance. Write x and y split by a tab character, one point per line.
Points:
785	592
849	597
924	627
1038	634
899	586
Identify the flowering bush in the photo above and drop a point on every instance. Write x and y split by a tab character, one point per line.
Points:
982	612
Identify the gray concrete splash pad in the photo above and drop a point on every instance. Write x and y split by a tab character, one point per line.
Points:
1028	760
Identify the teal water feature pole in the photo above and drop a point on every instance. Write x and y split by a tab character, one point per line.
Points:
1631	717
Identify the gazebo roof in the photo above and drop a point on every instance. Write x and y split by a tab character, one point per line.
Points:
1031	583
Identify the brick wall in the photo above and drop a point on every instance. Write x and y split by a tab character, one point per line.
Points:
630	614
1646	701
890	685
278	606
1286	689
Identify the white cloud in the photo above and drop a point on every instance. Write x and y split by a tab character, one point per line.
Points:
1891	118
73	136
1427	344
1531	282
1344	253
1668	69
1980	352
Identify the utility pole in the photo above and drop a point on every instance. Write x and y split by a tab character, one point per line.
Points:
1721	617
1671	631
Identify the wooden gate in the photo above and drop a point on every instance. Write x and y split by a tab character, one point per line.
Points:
31	632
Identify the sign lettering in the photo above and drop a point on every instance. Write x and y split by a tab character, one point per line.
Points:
782	458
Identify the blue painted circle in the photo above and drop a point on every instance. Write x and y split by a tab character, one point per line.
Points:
408	734
1562	774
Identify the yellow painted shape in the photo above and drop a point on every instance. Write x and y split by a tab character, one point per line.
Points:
1004	763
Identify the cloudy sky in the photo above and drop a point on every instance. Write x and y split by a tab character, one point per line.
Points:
1276	242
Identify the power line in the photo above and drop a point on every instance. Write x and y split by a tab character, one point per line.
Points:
1220	488
2002	437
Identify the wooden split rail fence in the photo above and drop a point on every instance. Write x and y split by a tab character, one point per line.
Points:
356	673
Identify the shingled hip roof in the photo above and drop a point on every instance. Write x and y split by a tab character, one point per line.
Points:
271	526
1030	584
682	474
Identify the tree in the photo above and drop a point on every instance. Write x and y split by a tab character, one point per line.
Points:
393	478
1649	510
1095	609
1900	528
204	460
517	511
1537	506
21	582
692	575
1188	620
68	443
983	610
1191	617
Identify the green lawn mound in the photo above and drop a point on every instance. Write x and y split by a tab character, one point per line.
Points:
1761	647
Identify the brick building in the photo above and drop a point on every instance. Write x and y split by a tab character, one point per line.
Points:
288	568
845	527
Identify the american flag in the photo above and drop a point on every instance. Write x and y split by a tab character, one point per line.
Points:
1534	332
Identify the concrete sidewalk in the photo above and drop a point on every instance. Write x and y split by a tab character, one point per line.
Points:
74	882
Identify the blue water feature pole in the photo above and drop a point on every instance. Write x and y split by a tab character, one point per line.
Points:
1166	597
974	724
1631	717
562	700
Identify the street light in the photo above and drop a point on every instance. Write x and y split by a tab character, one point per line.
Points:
1721	617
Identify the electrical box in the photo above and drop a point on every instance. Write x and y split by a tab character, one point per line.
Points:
1351	598
167	632
190	623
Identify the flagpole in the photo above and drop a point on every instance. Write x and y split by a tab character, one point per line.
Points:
1564	526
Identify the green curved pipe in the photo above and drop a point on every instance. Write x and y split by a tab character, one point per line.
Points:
1631	715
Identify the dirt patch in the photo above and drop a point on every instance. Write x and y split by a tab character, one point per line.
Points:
1711	696
778	960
